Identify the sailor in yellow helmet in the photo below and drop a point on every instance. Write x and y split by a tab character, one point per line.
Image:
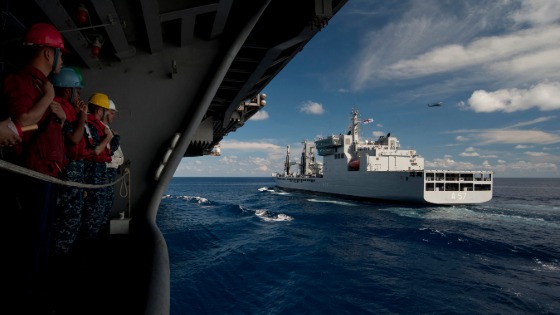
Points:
96	213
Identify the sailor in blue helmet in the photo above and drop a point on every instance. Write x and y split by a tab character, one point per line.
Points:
68	84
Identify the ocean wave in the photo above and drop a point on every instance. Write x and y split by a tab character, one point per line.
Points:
266	189
196	199
264	215
546	266
273	191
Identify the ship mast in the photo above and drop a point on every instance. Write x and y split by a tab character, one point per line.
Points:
287	163
354	128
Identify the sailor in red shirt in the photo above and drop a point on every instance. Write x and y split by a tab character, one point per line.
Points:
29	98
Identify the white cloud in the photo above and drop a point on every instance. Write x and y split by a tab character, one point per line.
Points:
544	96
529	169
312	108
532	122
448	163
251	146
260	115
228	159
517	137
537	154
522	146
537	12
461	138
432	38
486	50
469	154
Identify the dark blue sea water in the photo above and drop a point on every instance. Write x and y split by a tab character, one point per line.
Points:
237	250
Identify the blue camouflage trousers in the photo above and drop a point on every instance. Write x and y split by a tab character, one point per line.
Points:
69	206
111	176
95	216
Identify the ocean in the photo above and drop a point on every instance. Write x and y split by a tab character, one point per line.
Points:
241	246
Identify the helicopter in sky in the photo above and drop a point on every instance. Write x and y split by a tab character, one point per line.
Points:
435	104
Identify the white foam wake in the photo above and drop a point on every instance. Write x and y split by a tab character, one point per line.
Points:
266	189
264	215
196	199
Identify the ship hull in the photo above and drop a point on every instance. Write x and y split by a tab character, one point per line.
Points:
400	186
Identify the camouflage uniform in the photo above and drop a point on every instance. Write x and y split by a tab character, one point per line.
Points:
70	201
96	212
95	216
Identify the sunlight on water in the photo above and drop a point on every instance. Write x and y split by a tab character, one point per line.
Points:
469	214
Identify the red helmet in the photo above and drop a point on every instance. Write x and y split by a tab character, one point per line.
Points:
43	34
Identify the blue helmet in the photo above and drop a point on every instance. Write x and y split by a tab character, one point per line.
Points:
68	77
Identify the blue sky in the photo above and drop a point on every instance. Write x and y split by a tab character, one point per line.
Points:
495	65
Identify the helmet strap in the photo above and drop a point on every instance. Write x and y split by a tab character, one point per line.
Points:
72	95
55	61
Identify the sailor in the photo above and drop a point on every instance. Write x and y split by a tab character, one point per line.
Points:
95	214
117	157
29	98
70	199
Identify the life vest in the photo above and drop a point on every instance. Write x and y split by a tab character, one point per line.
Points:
73	151
94	138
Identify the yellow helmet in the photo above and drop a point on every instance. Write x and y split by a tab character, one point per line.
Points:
99	99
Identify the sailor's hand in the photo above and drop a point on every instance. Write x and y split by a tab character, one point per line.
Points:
7	136
108	133
56	108
80	106
81	109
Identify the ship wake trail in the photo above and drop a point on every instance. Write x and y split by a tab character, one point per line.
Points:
337	202
265	216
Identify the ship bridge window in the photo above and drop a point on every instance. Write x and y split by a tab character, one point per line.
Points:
466	187
429	176
430	187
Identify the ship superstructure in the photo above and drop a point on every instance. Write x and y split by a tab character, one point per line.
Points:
381	170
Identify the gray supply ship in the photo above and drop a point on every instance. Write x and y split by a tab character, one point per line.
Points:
379	170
